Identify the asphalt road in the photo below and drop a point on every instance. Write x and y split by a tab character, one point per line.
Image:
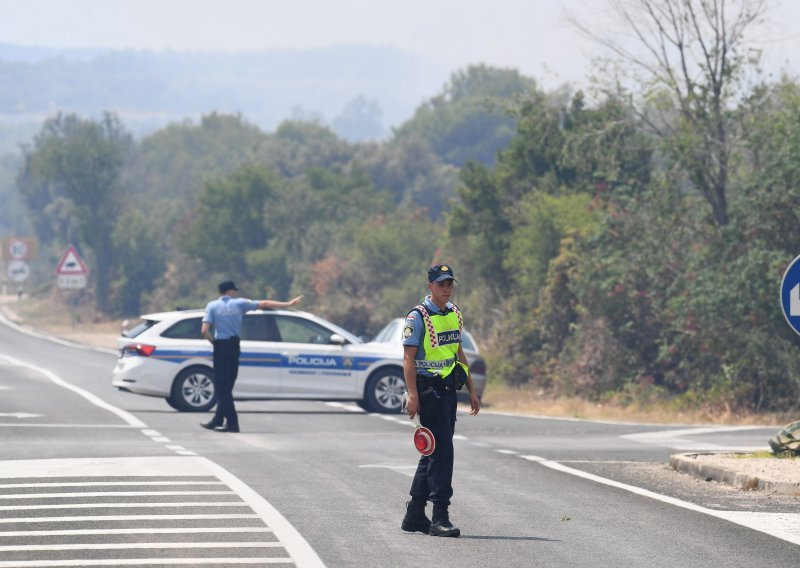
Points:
93	477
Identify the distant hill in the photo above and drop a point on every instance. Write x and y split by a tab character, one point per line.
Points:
361	91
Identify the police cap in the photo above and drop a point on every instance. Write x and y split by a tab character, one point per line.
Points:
440	272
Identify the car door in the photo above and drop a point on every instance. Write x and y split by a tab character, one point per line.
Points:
260	369
313	367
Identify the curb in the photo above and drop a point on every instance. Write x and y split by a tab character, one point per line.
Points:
688	463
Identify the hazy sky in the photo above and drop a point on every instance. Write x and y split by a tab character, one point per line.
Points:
530	35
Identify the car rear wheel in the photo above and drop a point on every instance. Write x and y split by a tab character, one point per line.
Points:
193	390
385	390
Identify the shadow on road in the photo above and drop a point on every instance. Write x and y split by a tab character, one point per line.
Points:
487	537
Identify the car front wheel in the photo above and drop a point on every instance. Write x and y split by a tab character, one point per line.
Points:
193	390
385	390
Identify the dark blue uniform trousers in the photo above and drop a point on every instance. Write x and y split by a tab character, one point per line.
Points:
226	369
433	480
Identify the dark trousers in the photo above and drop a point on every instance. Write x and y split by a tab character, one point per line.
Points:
433	480
226	369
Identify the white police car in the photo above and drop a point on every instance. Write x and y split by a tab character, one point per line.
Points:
285	354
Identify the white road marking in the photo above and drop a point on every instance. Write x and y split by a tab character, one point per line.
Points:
141	562
63	426
150	432
113	494
509	452
785	526
97	401
136	545
150	530
106	484
407	470
675	438
19	415
93	518
159	505
348	407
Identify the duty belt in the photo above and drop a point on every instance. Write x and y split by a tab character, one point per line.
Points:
423	364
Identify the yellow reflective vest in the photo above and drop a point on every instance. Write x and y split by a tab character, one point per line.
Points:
441	341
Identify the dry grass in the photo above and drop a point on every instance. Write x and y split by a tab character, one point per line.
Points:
502	398
83	325
52	315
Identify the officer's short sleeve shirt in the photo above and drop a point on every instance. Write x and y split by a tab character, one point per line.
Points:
226	315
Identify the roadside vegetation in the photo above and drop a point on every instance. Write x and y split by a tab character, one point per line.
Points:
620	248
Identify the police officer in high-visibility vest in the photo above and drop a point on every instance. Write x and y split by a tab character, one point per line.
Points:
435	367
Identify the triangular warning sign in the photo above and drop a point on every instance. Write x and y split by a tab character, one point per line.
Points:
71	263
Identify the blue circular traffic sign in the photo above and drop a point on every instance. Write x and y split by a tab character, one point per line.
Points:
790	294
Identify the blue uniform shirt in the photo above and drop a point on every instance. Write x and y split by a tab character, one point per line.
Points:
414	329
226	315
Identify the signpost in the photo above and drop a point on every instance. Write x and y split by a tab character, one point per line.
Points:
18	270
19	248
71	270
790	295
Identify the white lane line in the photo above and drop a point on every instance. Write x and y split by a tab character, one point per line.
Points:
19	415
184	504
141	562
508	452
127	417
292	540
773	524
186	453
151	530
135	545
113	494
106	484
161	439
407	470
348	407
93	518
150	432
676	438
63	426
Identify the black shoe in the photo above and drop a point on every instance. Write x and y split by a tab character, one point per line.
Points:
210	425
441	525
415	519
227	428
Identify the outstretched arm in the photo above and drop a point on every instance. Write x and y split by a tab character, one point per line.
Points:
274	304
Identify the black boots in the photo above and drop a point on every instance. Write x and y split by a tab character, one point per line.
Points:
440	525
415	519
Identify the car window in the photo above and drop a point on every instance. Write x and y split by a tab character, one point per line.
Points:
467	343
139	328
259	327
188	328
388	334
297	330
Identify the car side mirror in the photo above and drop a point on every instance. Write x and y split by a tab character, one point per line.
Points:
337	339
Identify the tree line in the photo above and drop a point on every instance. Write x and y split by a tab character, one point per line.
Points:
624	244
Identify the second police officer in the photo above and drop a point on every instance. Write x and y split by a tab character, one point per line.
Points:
435	367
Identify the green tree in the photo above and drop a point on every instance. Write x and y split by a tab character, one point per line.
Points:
142	260
71	179
229	220
468	120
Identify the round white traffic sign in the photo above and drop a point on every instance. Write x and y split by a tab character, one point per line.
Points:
18	249
18	270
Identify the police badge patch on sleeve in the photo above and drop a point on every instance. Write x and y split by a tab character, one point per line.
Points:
408	331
